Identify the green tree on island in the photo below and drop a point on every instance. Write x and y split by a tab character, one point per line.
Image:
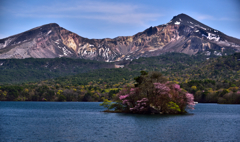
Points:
152	94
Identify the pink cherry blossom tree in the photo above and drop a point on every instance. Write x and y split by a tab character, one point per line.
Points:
153	94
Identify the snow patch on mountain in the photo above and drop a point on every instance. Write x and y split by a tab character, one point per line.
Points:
152	50
177	23
65	51
6	43
207	53
217	53
203	28
212	37
49	32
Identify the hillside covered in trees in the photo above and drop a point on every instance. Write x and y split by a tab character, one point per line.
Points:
14	71
210	80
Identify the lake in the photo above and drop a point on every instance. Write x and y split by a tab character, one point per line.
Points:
84	121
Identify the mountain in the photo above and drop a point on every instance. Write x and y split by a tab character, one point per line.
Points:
182	34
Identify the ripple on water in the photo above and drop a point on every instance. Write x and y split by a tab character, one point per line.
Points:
79	121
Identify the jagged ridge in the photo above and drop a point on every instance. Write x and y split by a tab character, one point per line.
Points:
182	34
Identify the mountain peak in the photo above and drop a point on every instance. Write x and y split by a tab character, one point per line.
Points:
182	34
182	15
50	25
182	18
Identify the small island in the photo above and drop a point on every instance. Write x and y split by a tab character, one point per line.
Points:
152	94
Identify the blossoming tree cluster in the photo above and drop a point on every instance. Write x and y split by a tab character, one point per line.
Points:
152	93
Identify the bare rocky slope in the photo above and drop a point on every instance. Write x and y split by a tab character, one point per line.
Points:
182	34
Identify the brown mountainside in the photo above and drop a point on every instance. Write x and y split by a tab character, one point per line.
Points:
182	34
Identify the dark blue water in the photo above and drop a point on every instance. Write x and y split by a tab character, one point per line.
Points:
78	121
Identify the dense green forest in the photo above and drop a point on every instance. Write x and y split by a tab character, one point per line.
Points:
14	71
182	67
219	69
210	80
211	91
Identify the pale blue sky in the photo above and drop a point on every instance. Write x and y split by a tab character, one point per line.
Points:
112	18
